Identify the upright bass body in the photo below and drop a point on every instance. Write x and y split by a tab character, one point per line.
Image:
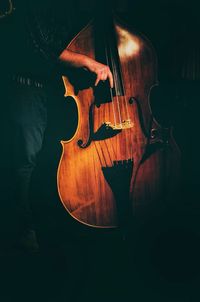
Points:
100	163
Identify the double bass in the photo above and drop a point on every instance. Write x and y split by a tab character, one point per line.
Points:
112	164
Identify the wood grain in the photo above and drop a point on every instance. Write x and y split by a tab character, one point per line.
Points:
93	181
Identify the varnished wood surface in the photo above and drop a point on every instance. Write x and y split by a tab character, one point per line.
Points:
84	191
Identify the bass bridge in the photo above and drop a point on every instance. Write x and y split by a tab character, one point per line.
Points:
108	129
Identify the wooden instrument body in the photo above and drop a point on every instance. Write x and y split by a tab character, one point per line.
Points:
93	172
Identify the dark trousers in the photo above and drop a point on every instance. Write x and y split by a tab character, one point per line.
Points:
24	123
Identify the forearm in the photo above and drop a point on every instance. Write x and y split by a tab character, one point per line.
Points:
73	59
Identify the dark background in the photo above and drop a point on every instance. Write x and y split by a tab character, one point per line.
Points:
161	261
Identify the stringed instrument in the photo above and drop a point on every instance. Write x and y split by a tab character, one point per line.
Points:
117	143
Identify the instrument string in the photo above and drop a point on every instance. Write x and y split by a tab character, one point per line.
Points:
119	85
111	93
116	86
119	78
115	77
121	99
113	68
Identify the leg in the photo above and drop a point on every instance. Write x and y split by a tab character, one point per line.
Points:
29	118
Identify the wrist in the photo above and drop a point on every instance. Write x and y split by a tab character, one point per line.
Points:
87	62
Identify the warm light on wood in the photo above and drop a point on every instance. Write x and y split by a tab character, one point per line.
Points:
101	167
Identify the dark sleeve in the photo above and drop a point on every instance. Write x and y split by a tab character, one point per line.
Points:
50	28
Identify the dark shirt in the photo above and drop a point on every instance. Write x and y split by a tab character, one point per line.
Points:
35	34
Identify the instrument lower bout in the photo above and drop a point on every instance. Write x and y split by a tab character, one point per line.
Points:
106	169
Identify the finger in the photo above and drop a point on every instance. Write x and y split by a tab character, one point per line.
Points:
104	76
110	78
101	75
97	80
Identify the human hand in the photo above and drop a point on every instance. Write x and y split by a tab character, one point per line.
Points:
102	71
77	60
